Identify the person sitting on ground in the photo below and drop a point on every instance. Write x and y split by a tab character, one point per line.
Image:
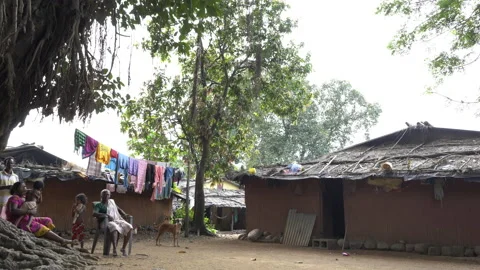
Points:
7	179
29	205
38	189
78	210
107	208
40	226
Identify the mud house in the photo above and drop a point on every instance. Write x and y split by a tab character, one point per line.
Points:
224	204
63	181
417	185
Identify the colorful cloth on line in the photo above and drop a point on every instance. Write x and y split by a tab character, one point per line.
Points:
133	166
168	182
103	153
90	147
78	231
123	162
80	140
114	153
142	172
94	168
112	166
157	186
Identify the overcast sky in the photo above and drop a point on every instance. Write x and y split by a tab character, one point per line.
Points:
347	41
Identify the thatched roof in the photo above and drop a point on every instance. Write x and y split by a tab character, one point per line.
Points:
415	153
35	164
219	198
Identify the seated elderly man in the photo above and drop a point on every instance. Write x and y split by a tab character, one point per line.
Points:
107	208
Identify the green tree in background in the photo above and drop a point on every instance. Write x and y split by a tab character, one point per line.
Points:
47	56
337	114
454	21
240	66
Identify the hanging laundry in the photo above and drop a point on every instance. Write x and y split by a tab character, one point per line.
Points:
90	147
142	172
80	140
113	153
168	182
112	166
157	186
123	162
94	168
150	177
103	153
133	166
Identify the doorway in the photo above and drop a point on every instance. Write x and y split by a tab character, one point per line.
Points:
333	209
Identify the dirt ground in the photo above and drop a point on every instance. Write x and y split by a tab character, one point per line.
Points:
228	253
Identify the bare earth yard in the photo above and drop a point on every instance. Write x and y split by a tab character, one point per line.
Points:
229	253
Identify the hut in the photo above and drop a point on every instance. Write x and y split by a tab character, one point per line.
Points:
416	185
224	207
63	181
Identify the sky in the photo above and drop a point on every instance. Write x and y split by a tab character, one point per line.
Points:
346	40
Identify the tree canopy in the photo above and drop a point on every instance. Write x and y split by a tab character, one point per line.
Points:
47	63
455	21
239	65
338	113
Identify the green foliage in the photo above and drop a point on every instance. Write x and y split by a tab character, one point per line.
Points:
457	21
237	67
337	113
180	213
169	120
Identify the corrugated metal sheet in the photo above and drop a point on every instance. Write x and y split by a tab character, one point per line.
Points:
299	228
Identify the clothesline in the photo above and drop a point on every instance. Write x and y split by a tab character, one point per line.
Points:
138	175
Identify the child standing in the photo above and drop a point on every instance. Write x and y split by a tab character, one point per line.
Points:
78	210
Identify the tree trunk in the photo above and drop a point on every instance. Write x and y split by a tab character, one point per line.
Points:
199	194
22	250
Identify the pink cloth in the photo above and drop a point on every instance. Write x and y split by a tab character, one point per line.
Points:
159	180
90	147
142	172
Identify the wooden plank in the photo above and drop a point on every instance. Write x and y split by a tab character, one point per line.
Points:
286	235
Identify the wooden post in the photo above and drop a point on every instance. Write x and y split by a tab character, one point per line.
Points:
106	238
131	236
233	219
187	203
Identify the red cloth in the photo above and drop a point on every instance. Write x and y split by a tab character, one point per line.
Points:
78	231
113	153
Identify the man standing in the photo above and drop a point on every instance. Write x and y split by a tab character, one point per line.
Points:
7	179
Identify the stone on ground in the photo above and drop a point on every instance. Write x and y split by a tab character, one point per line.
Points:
254	235
341	243
469	252
398	247
370	244
434	251
421	248
356	244
458	251
409	247
446	251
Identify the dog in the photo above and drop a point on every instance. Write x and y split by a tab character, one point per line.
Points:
174	229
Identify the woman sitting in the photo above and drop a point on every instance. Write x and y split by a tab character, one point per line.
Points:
40	226
107	208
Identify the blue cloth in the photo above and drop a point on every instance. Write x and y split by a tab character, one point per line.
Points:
122	166
112	166
168	183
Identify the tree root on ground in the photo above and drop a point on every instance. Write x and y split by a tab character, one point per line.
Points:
22	250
